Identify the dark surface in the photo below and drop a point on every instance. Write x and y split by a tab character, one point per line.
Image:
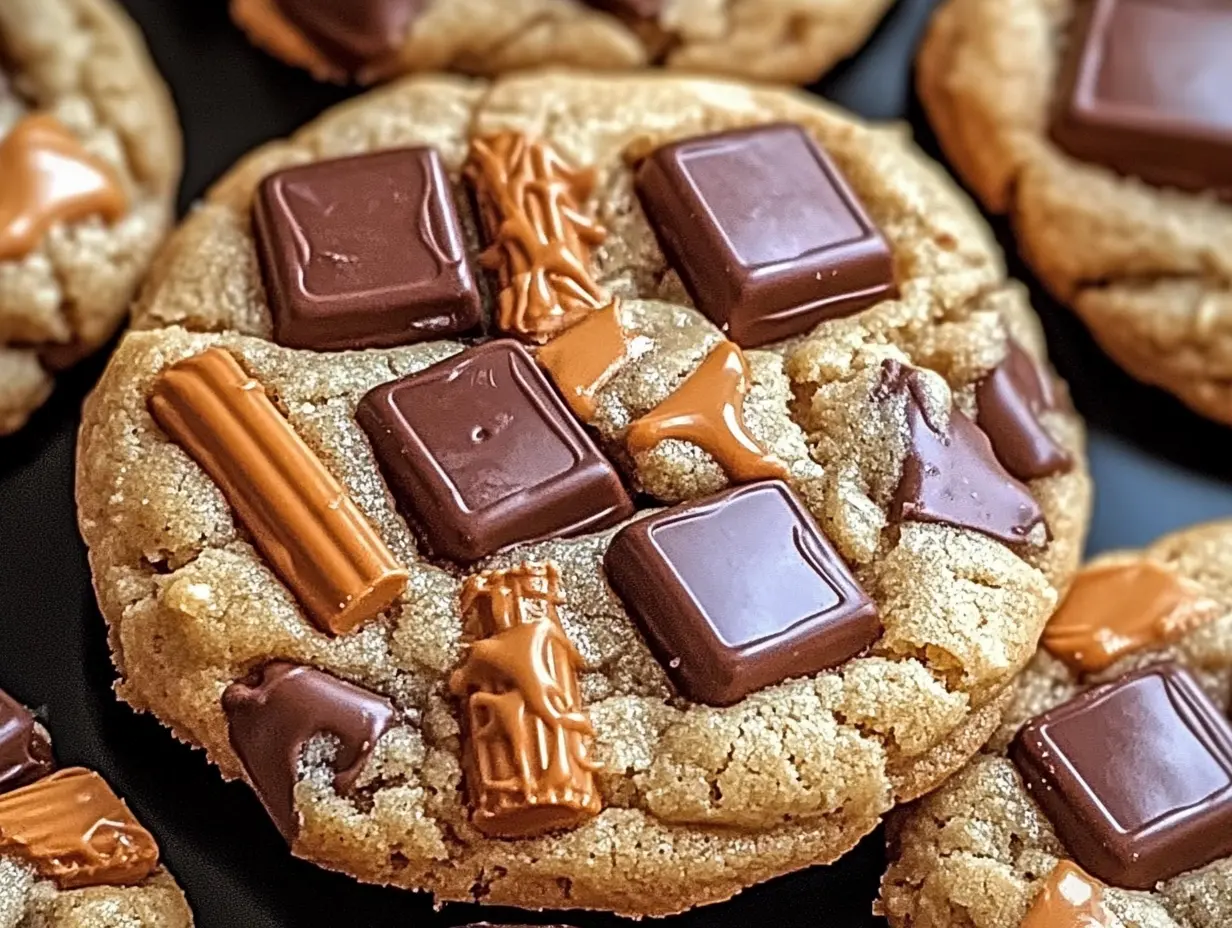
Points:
1157	467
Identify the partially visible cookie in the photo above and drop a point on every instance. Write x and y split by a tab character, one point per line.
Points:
90	159
1105	799
71	853
1102	129
369	40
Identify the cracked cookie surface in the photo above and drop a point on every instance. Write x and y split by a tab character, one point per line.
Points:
699	801
83	64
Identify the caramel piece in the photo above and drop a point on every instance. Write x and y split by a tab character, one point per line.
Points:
73	829
313	534
1118	607
49	177
708	411
585	358
530	201
528	764
1070	899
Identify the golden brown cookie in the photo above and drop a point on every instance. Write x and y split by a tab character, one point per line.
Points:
1111	166
573	696
90	156
1104	798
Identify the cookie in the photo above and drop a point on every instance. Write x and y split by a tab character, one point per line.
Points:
71	853
773	40
1105	797
1098	128
90	156
672	568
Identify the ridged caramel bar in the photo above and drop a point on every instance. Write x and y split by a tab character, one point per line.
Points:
312	533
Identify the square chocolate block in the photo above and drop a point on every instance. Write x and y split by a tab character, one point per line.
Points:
1135	776
764	231
482	453
364	252
739	591
1145	91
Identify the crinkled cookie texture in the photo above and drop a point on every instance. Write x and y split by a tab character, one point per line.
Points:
700	802
28	902
975	853
776	40
82	62
1148	269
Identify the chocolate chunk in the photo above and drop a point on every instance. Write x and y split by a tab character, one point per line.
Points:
764	231
1135	776
630	9
483	453
951	476
1010	401
353	32
364	252
25	753
739	591
1145	91
277	710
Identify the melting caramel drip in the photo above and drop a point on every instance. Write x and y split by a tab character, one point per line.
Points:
1119	607
528	736
46	176
1070	899
586	357
541	240
73	829
708	411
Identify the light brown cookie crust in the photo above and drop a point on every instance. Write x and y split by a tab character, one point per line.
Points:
84	62
26	901
1149	270
795	774
975	853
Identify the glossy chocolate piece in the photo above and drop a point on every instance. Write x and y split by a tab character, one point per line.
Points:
1010	401
1135	776
482	453
764	231
353	32
1146	91
951	476
364	252
276	711
739	591
25	753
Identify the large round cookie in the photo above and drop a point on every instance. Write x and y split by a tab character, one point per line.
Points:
1049	129
778	40
90	156
1111	809
780	667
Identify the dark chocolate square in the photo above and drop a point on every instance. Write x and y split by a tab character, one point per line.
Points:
1135	776
364	252
739	591
1145	91
764	231
482	453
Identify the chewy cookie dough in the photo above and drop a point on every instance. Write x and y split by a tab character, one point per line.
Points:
71	853
426	597
90	159
775	40
1101	128
1111	809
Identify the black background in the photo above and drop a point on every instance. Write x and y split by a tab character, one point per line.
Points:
1156	466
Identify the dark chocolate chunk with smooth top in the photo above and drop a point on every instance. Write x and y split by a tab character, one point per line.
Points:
951	476
364	252
483	453
353	32
274	713
25	752
1010	401
1145	91
739	591
1135	776
764	231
